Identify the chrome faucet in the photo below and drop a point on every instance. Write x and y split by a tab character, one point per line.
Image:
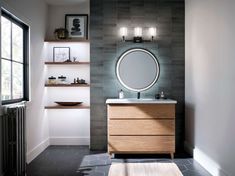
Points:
138	95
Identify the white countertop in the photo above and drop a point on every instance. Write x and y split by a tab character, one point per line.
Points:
140	101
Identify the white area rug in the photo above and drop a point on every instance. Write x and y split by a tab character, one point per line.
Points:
144	169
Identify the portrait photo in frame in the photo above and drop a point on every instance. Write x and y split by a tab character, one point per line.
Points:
77	26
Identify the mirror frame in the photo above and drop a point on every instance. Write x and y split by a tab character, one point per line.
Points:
123	56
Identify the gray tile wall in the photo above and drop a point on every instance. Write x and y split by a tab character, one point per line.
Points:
106	17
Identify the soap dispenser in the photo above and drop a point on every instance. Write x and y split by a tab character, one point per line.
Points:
162	96
121	94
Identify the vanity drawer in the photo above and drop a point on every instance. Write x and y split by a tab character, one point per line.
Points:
141	111
145	144
142	127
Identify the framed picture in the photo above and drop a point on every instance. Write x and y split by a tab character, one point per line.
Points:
61	54
77	25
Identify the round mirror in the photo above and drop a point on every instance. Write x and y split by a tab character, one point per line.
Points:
137	69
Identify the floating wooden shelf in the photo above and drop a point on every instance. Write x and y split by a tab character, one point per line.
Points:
66	40
67	85
66	63
67	107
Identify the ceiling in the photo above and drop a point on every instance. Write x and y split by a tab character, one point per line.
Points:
64	2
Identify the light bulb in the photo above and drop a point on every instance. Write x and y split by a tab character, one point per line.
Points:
138	32
152	31
123	31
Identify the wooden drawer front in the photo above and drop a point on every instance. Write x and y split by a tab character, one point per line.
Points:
145	144
141	127
141	111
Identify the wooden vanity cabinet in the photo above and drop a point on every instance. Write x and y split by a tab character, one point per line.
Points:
141	128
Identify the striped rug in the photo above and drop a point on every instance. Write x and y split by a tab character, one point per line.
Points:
144	169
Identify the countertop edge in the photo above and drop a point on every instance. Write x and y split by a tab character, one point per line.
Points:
123	101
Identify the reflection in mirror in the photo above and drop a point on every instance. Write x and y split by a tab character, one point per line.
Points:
137	69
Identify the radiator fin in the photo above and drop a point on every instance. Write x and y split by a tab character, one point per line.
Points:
14	141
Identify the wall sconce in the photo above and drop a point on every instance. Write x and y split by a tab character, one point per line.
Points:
123	33
138	32
138	35
152	32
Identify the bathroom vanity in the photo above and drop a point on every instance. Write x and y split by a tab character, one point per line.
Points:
141	126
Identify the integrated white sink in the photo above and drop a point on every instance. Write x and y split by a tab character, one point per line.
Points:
140	101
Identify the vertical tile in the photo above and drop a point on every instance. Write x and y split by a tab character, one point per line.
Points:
107	16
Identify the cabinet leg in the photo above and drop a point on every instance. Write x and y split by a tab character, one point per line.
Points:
111	155
172	155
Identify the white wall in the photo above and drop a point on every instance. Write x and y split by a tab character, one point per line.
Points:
34	13
68	127
43	19
1	159
210	83
57	13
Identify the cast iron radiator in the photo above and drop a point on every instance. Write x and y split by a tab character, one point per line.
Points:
14	142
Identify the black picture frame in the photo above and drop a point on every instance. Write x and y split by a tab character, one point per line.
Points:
77	26
61	54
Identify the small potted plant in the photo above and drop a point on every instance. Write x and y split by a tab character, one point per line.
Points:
61	33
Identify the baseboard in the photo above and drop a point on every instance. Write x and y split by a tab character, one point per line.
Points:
188	148
37	150
69	141
31	155
205	161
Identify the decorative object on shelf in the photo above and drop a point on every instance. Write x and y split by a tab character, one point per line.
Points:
62	80
68	60
138	34
52	80
82	81
75	59
61	33
79	81
61	54
77	25
64	103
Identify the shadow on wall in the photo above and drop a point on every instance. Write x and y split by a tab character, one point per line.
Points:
189	127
